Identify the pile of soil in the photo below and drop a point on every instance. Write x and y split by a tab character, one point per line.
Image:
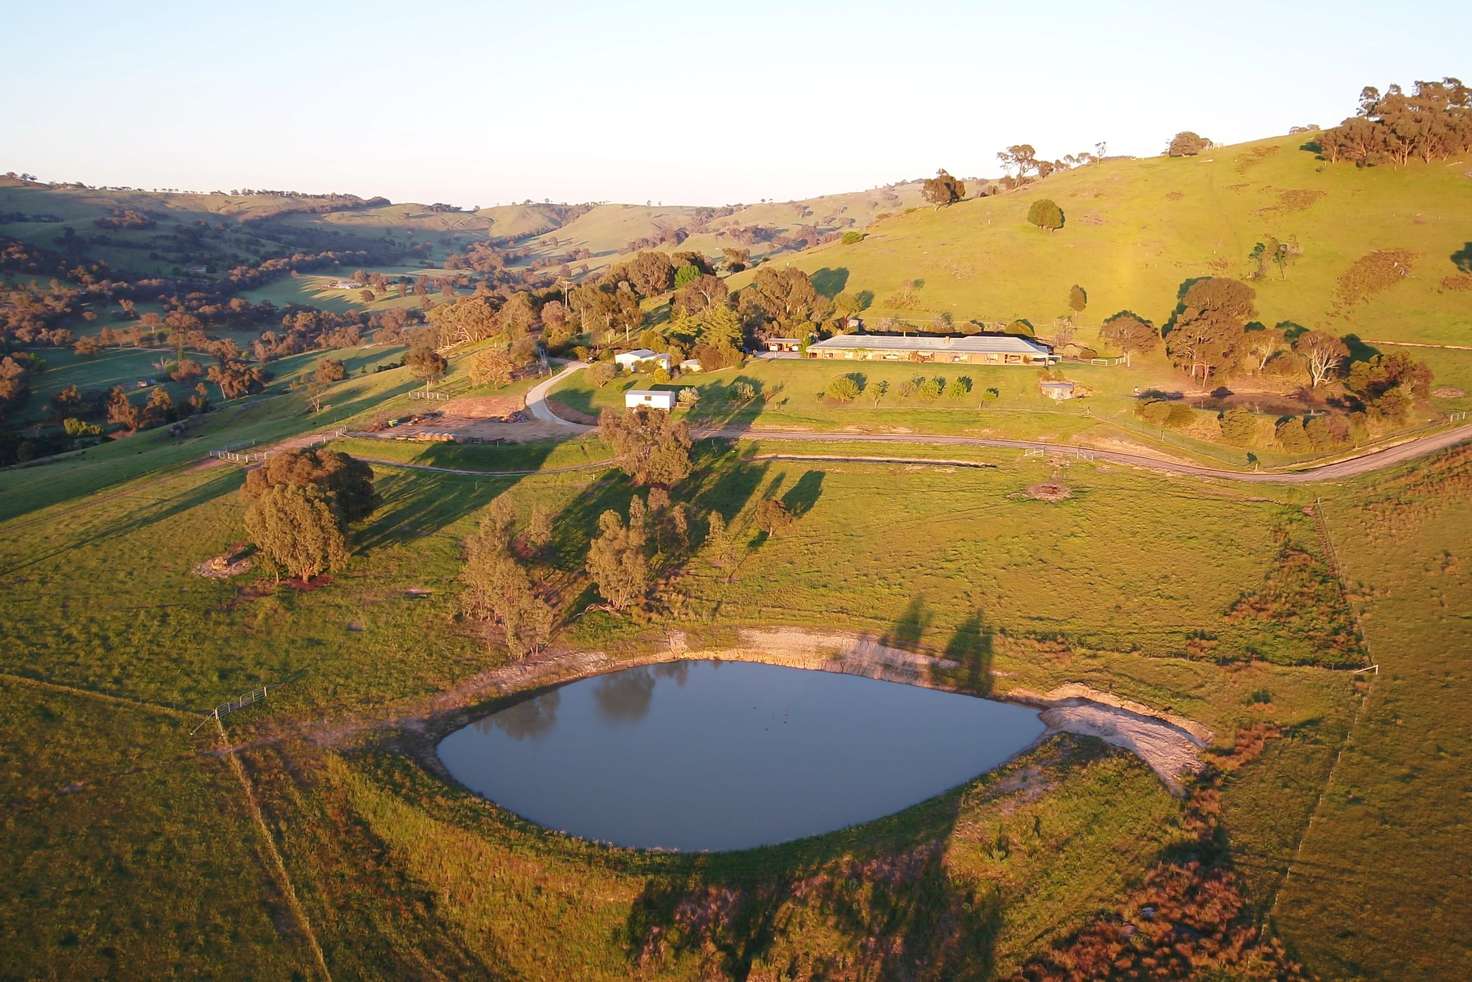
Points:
236	560
1447	392
1050	491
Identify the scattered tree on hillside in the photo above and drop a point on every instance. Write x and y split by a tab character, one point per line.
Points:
724	544
463	321
650	446
328	372
1322	355
296	530
122	411
1207	335
1130	333
772	516
618	560
844	388
943	189
1078	299
343	481
494	367
15	386
1187	144
426	363
500	589
1045	214
1020	158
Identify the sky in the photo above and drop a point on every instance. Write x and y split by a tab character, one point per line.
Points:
487	103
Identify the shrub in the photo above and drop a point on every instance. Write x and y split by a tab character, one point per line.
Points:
1045	214
931	388
1239	427
80	427
688	398
1180	416
992	393
1327	432
960	387
1153	411
849	238
1291	436
845	388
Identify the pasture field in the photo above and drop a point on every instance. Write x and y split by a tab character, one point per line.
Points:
1374	891
319	289
1136	229
96	604
791	394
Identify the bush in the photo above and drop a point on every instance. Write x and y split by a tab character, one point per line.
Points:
960	387
931	388
79	427
1239	427
1291	436
1153	411
992	393
1045	214
1180	416
849	238
845	388
1327	432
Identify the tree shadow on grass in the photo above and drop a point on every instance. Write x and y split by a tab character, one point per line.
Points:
971	647
910	627
830	281
1462	258
802	496
420	503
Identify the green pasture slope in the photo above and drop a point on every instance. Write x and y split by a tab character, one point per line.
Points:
1136	229
1131	585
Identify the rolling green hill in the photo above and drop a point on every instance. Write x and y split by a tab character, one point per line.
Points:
1135	229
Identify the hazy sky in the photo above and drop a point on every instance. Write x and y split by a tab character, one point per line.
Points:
480	103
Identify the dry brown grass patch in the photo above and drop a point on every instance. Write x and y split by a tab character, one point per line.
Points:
1049	491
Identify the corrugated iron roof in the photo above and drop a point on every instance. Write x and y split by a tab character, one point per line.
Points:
971	343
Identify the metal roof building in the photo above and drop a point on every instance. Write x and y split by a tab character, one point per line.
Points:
977	349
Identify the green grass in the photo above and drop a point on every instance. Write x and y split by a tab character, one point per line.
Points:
1136	229
1377	888
791	395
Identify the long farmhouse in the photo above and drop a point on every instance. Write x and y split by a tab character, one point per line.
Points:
974	349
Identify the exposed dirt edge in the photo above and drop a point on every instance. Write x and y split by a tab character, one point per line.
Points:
1168	744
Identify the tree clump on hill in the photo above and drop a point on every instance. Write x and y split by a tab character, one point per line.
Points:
782	300
299	504
1389	386
650	446
943	189
1130	333
499	589
1078	298
618	559
1187	144
494	367
296	529
426	363
1045	214
1432	122
345	482
1207	335
1322	355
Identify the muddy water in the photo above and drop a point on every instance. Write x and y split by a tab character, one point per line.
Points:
708	755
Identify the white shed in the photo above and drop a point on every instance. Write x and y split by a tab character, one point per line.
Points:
653	398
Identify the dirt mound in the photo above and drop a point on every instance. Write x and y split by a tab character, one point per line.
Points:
1447	392
482	407
236	560
1049	491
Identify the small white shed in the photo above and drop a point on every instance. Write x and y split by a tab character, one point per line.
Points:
653	398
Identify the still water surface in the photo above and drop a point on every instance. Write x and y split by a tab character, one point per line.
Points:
712	755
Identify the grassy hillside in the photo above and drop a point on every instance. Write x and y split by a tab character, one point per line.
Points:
608	229
1136	229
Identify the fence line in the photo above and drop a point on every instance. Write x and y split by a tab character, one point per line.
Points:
235	705
239	455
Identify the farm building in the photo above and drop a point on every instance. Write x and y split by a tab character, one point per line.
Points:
653	398
975	349
631	360
783	344
691	365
